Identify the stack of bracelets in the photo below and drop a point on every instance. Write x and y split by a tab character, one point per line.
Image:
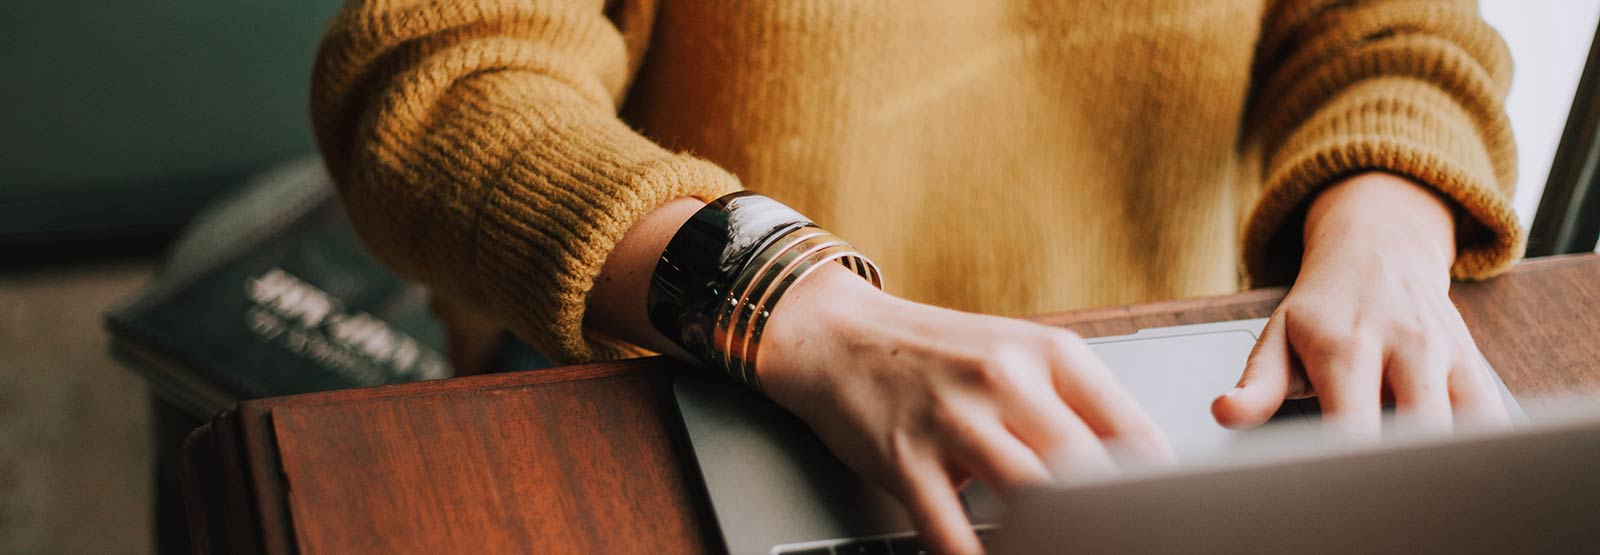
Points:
719	278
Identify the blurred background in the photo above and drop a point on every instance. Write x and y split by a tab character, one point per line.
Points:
120	120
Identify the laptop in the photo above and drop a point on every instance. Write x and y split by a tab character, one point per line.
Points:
1534	489
776	489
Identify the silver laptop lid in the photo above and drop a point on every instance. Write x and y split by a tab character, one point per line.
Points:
1532	490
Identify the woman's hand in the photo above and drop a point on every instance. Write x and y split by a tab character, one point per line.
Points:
1368	318
920	398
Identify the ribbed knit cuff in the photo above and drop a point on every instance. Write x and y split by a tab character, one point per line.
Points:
1396	125
545	232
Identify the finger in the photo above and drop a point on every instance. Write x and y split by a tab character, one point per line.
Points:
1080	461
1347	375
1041	418
1097	403
997	457
936	509
1476	396
1418	380
1061	439
1264	384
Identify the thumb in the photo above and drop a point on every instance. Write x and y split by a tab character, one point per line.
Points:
1264	384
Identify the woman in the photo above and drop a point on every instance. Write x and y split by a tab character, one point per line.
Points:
535	164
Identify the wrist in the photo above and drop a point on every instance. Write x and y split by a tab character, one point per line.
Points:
1374	214
829	303
721	276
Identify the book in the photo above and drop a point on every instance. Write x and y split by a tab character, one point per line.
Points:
269	292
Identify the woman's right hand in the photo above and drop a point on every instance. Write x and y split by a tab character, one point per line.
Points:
921	398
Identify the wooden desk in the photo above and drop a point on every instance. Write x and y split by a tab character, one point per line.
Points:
591	459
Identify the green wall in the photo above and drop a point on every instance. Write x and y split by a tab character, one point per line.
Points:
101	95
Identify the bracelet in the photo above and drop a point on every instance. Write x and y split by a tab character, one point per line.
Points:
745	339
716	283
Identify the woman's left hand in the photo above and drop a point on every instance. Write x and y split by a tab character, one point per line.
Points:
1369	318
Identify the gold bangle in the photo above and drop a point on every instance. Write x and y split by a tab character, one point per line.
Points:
737	340
840	252
720	276
738	294
742	317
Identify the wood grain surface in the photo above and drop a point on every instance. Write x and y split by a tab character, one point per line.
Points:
567	467
592	459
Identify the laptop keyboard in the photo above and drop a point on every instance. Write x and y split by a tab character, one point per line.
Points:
896	545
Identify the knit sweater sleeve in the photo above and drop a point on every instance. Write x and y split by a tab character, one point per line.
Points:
477	148
1410	87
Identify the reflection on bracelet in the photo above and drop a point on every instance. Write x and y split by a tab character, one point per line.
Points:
723	272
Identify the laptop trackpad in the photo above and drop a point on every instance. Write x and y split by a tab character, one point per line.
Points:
1175	377
773	482
1174	373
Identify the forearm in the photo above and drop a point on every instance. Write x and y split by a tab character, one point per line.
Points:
617	302
490	169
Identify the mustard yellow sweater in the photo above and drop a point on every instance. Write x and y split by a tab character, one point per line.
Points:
1002	156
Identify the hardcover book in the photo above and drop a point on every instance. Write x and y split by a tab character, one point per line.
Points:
269	293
